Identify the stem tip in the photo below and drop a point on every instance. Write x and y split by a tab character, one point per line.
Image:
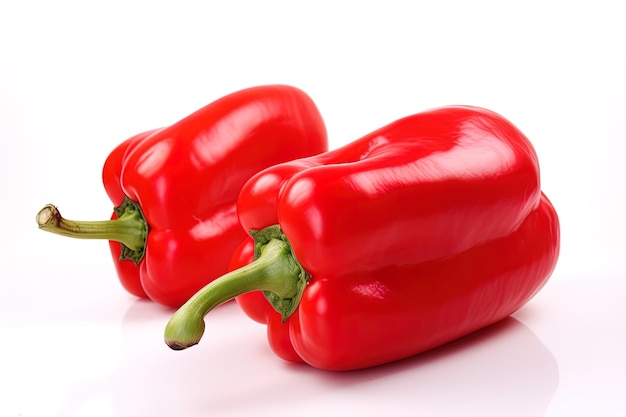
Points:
183	331
178	346
46	214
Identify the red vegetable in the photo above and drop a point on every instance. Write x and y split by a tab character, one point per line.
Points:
419	233
175	188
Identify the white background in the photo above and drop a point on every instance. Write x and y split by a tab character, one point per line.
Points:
77	78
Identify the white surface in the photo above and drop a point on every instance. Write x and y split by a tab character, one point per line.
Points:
76	79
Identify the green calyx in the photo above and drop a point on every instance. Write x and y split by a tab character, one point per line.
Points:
285	304
130	228
275	271
130	212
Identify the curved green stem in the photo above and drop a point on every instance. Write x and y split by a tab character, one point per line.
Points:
275	271
130	228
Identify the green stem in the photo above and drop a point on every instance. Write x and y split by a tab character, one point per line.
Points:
130	228
275	271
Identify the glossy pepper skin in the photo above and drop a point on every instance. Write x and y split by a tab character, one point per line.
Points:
419	233
184	179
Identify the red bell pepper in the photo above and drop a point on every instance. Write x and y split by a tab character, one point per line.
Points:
417	234
175	188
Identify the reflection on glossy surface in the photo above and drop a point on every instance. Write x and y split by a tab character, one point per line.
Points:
481	154
216	224
155	157
214	143
502	370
